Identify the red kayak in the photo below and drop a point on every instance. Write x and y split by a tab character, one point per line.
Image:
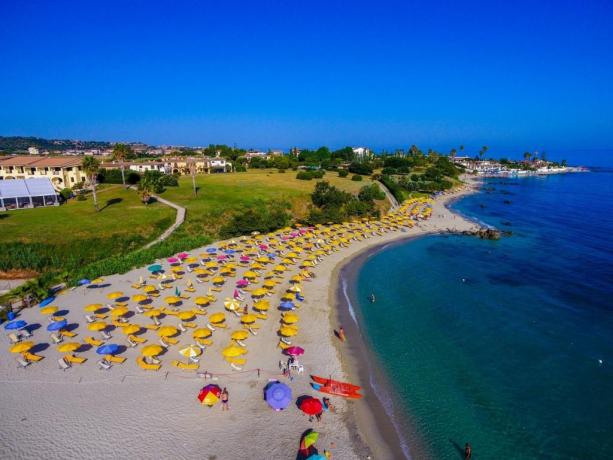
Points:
324	381
334	387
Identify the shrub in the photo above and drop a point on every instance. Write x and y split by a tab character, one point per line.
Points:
168	180
370	193
356	178
240	168
260	218
360	168
66	193
281	171
304	175
343	173
388	171
81	197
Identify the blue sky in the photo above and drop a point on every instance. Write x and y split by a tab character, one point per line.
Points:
512	75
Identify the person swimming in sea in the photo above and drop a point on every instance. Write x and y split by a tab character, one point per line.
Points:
372	298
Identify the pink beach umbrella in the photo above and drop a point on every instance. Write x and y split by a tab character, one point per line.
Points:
263	247
242	283
172	260
222	257
183	255
294	351
244	258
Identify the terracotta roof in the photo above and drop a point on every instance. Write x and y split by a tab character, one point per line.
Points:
46	162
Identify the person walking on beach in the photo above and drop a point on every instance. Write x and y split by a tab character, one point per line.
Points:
224	399
341	333
468	452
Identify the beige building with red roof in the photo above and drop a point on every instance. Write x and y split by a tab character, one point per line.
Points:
62	171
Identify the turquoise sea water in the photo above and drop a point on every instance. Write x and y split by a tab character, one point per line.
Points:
505	344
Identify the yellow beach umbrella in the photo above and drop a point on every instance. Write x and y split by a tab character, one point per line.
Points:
250	274
288	331
173	299
114	295
231	304
211	264
119	311
48	310
233	351
202	333
202	301
269	284
98	281
167	331
239	335
93	307
177	269
217	317
185	315
191	260
21	347
248	319
218	280
290	318
149	288
131	329
279	268
260	292
295	288
262	305
97	326
152	350
139	298
68	347
153	313
190	351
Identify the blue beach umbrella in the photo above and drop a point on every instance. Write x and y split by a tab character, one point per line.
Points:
14	325
229	251
83	282
57	325
272	255
278	395
287	305
211	250
154	268
108	349
46	301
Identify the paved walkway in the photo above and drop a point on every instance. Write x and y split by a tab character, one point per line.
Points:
391	198
178	221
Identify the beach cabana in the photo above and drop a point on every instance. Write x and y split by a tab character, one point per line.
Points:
27	193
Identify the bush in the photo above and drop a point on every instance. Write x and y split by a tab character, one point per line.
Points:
113	176
260	218
66	193
168	180
360	168
240	168
389	171
308	175
370	193
81	197
343	173
281	171
356	178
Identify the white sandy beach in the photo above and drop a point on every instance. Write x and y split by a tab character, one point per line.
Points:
86	413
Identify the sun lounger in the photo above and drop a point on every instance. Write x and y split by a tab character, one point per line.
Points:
31	357
55	338
63	364
21	362
131	344
90	318
190	325
72	359
181	327
105	335
286	341
152	327
139	309
65	333
171	340
25	333
93	342
216	289
198	311
100	316
114	359
190	289
261	315
104	365
14	338
242	344
185	366
137	339
283	345
251	330
184	296
146	366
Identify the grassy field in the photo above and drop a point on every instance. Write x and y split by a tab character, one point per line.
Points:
121	213
220	194
73	235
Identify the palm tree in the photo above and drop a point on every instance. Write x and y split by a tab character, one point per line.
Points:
120	153
482	151
527	156
461	148
91	166
453	153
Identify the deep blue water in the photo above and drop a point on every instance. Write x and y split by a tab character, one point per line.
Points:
505	344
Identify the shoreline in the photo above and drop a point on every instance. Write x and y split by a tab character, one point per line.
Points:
375	423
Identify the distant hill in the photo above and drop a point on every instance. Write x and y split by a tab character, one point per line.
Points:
19	144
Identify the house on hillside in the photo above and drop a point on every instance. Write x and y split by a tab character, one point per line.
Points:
362	153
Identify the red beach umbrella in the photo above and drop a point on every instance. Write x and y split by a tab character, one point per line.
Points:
311	406
209	394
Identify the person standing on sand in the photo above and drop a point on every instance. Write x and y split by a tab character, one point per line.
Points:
468	452
224	399
341	333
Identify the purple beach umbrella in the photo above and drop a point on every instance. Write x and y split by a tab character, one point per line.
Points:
278	395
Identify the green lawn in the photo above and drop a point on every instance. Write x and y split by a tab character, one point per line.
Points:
220	194
122	213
